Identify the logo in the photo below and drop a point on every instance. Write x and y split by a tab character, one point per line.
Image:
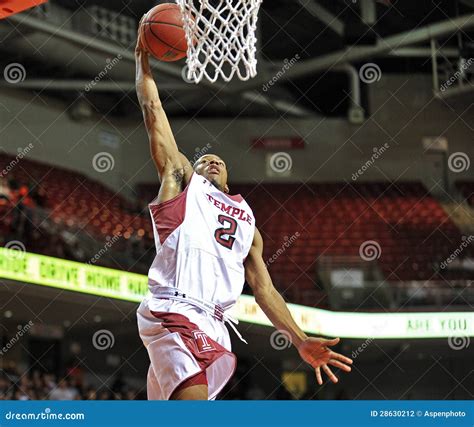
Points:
459	343
281	162
17	249
370	73
103	339
14	73
103	162
370	250
459	162
280	340
202	342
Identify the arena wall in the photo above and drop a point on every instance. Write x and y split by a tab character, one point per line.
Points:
386	147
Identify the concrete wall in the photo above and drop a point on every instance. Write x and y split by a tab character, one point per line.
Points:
403	111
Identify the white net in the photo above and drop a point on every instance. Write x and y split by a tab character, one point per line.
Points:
221	38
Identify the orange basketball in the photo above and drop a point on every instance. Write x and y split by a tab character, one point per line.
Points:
163	34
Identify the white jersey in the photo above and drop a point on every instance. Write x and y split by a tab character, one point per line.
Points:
202	238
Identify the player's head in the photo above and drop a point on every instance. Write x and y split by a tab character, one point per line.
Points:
213	168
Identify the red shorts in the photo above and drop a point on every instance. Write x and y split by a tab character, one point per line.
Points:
181	354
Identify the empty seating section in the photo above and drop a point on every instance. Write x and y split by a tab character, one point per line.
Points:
78	201
299	223
335	219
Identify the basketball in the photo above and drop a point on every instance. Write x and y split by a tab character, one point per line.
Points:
163	33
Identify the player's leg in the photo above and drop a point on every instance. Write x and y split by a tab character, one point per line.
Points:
194	388
194	392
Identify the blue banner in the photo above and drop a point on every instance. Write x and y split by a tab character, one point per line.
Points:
237	413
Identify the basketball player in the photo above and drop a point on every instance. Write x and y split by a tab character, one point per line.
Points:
206	247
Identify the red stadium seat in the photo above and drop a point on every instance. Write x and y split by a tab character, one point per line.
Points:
411	227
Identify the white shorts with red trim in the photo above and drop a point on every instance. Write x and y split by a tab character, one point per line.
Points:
183	341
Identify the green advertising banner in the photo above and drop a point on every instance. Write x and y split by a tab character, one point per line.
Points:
105	282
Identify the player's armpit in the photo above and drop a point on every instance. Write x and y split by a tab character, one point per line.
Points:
172	181
174	178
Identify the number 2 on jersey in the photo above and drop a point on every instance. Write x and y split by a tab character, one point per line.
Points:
225	235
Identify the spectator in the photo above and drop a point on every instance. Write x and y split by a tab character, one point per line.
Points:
5	193
104	395
91	394
39	196
63	391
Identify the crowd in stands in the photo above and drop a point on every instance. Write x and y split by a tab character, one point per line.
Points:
18	198
37	385
21	206
46	386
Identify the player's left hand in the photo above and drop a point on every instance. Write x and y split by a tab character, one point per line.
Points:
315	351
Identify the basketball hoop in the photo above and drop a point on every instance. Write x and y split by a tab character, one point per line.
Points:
221	38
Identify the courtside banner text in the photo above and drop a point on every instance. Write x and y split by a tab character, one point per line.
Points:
105	282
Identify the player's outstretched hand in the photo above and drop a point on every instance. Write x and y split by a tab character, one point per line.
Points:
315	351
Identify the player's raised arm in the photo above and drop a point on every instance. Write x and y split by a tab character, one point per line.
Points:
314	351
173	167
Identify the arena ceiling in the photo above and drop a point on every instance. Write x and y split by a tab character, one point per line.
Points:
322	34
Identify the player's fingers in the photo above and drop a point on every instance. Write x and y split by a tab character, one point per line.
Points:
340	357
334	341
339	365
318	376
330	374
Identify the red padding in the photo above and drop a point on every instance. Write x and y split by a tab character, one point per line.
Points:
11	7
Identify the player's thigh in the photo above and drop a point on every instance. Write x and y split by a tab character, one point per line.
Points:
194	392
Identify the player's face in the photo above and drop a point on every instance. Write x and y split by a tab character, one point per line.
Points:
214	169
